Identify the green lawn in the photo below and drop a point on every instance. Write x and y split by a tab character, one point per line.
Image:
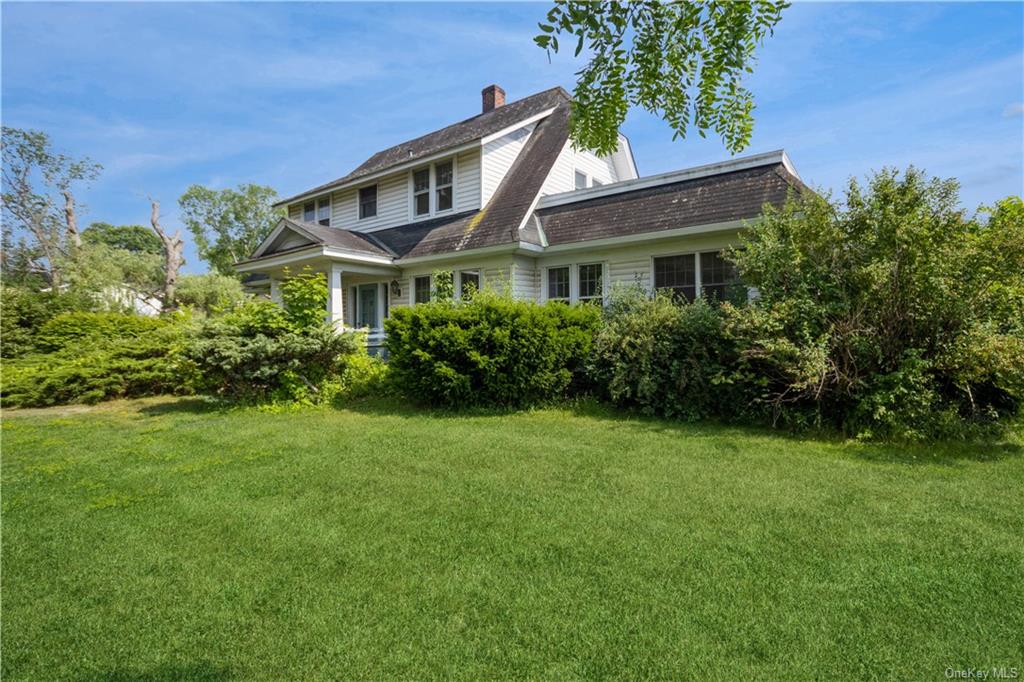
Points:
167	539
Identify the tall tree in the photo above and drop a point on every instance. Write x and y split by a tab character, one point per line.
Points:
38	201
684	61
174	256
133	238
228	224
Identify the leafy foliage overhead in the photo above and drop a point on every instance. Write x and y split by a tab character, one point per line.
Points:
228	224
684	61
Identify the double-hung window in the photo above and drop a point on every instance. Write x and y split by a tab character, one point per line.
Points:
421	192
421	289
367	202
433	189
719	280
443	178
318	211
469	283
590	282
677	274
558	284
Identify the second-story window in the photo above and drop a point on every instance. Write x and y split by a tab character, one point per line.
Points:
309	211
367	202
581	180
421	192
323	212
443	186
433	188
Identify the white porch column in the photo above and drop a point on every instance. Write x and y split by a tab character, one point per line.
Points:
275	291
335	314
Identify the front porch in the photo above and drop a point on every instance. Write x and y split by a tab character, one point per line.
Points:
361	278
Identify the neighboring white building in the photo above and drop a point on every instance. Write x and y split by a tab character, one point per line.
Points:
503	200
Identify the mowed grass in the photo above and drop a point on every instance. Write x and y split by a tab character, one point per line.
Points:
168	539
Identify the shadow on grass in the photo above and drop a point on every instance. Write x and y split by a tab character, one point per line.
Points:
948	453
161	673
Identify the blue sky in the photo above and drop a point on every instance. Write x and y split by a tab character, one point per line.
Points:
292	95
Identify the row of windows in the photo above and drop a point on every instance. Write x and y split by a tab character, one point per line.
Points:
584	181
468	282
433	191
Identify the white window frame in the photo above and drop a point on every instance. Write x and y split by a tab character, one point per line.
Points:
604	283
457	279
574	281
330	211
587	182
359	206
412	288
432	191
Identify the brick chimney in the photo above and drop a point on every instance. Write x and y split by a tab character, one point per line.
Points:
494	97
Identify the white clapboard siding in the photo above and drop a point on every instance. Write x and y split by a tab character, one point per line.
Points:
525	282
467	181
498	278
295	211
562	177
498	157
402	300
392	205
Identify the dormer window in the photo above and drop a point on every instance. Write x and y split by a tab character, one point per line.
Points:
367	202
318	211
433	189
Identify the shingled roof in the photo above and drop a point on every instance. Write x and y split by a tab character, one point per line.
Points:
719	198
460	133
507	210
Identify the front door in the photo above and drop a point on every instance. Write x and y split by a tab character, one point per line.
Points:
366	310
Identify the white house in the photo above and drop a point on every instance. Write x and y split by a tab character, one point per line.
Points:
503	200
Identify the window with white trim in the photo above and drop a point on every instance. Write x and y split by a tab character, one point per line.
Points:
433	189
421	192
469	283
590	282
719	279
318	211
367	202
444	177
421	289
581	180
558	284
677	274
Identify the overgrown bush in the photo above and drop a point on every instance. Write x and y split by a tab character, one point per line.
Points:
893	316
23	311
663	357
209	293
88	327
140	364
491	350
261	351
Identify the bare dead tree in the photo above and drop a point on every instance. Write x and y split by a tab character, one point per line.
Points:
173	256
70	219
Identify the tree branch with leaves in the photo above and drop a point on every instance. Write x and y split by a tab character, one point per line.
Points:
683	61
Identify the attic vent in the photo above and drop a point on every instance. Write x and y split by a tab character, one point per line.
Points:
493	97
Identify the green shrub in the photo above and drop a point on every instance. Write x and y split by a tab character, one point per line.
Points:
103	369
257	353
491	351
209	293
23	311
78	327
891	316
662	357
360	376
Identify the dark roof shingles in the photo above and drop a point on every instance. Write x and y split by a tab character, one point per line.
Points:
342	239
737	195
454	135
